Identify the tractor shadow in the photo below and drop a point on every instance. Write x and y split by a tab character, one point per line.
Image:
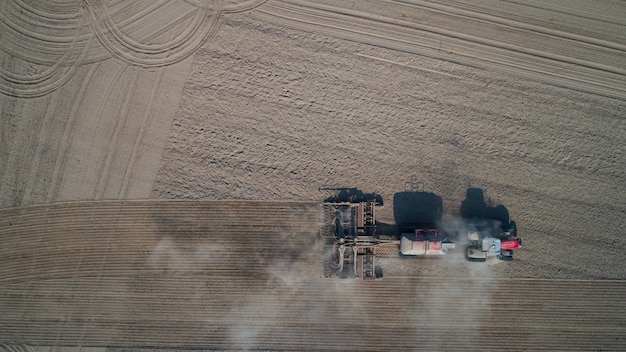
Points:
417	209
475	209
351	195
474	206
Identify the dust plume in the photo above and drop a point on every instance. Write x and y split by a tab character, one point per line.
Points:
463	290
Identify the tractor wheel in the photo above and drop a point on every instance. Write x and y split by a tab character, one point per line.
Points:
506	258
473	259
378	272
476	260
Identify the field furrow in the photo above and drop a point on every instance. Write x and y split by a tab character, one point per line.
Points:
246	275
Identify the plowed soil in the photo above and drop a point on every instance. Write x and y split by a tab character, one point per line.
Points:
261	103
248	275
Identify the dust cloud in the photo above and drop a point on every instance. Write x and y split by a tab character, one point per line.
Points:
456	291
171	255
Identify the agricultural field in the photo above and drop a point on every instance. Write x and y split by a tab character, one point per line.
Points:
160	167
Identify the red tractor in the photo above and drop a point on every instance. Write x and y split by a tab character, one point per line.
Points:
490	233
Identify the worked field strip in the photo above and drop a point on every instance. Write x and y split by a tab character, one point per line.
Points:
246	275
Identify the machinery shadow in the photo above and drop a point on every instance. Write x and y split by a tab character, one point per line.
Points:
475	206
351	195
417	209
385	229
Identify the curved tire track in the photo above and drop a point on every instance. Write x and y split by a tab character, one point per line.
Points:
35	83
204	23
61	42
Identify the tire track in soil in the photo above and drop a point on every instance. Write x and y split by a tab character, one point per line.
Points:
10	113
35	161
37	84
146	120
481	15
44	137
129	87
53	77
243	6
203	26
571	11
462	48
66	140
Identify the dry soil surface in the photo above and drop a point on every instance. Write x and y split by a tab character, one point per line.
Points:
270	100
